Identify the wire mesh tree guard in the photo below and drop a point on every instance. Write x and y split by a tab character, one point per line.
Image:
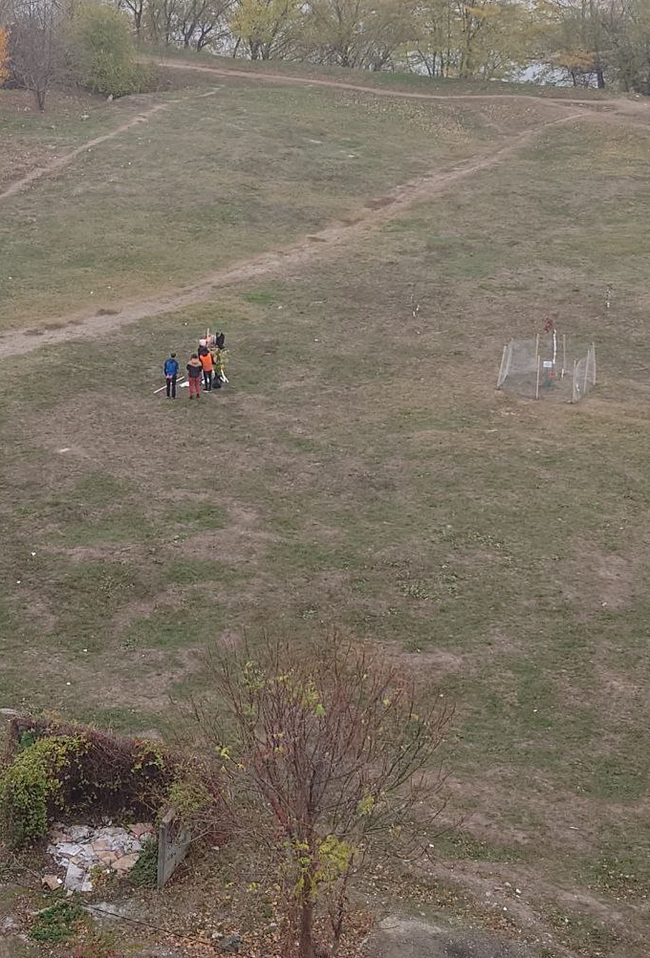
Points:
545	368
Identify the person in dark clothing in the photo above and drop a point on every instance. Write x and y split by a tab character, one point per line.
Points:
171	374
194	373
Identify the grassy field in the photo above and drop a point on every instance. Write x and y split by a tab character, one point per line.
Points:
360	472
140	218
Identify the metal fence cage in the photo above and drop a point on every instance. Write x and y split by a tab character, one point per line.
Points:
540	367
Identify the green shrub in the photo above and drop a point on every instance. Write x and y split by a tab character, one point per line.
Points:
103	53
56	923
31	786
144	873
191	798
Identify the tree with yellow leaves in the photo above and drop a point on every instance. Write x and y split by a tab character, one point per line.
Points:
266	27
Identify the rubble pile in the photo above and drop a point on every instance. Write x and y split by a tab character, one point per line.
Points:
81	850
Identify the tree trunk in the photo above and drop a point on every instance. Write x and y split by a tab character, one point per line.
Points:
40	99
600	78
306	945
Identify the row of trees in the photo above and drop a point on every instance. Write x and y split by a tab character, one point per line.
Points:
594	42
588	42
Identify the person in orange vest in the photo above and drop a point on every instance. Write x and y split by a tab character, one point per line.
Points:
207	364
194	370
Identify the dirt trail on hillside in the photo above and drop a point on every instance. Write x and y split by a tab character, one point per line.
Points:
620	104
18	185
62	161
374	214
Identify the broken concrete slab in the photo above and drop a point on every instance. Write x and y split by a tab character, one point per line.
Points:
51	881
79	833
67	850
74	877
141	829
104	847
125	863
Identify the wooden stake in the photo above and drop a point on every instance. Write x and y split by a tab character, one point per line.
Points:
593	354
538	367
563	355
501	368
573	383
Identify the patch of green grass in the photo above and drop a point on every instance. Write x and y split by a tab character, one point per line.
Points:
198	622
56	923
458	845
263	297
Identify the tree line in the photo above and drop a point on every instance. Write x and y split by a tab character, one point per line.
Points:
584	42
603	43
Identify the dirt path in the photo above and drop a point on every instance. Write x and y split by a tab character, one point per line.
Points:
374	214
63	161
620	104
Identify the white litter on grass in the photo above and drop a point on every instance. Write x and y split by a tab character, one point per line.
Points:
65	449
32	554
79	849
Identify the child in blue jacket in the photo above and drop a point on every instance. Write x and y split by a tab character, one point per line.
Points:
171	372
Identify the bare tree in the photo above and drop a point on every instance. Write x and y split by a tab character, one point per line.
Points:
336	758
136	8
36	46
201	22
161	20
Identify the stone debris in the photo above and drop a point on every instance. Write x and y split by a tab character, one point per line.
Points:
231	944
51	882
80	850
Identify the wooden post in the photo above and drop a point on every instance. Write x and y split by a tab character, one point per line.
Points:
584	388
173	845
501	377
537	385
563	355
574	397
593	359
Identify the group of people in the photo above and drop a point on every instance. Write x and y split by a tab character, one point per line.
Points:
206	365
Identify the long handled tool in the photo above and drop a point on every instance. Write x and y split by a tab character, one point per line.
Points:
178	382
